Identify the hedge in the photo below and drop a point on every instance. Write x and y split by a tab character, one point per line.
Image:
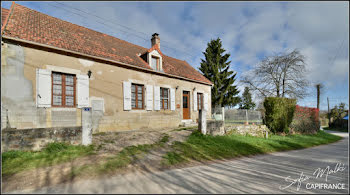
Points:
305	120
279	113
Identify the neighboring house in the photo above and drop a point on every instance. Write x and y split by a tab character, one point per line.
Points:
51	68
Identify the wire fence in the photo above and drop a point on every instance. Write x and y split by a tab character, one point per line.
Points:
242	116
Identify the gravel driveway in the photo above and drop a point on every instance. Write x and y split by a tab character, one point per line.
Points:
259	174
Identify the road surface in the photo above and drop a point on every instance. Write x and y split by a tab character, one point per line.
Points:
258	174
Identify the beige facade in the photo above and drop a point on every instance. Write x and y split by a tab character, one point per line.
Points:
18	89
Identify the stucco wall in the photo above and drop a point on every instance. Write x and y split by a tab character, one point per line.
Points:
18	88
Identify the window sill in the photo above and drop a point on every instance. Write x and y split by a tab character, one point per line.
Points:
63	109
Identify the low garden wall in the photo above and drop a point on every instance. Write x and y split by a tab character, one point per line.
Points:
253	130
36	139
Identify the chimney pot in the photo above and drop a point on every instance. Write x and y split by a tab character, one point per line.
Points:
155	40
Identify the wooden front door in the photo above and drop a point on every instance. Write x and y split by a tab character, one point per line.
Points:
186	105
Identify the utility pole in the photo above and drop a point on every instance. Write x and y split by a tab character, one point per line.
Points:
329	115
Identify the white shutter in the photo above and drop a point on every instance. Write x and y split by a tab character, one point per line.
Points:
43	88
205	101
127	95
195	101
149	97
172	99
82	91
156	98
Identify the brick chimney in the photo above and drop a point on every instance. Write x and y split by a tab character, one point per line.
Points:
155	40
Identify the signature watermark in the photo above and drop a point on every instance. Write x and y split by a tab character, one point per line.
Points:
318	173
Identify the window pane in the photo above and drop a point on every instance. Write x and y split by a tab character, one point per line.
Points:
69	90
57	78
57	100
69	100
57	89
184	102
139	104
133	96
139	89
133	103
165	104
133	88
166	93
139	97
161	104
154	63
69	80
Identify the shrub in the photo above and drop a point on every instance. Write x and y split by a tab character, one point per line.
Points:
305	120
279	113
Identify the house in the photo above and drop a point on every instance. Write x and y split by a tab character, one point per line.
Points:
51	69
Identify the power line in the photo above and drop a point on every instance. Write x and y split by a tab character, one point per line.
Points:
112	21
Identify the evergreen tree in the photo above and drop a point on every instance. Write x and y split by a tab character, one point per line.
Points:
216	68
246	100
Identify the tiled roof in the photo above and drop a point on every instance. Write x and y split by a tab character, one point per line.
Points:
30	25
4	14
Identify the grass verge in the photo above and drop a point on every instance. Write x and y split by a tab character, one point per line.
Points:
201	147
336	129
54	153
120	160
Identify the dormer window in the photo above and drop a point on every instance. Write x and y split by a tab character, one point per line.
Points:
155	63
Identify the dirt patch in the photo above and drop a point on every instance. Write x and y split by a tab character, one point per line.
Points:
108	145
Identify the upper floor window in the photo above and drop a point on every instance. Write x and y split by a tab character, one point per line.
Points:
137	96
155	63
164	98
63	90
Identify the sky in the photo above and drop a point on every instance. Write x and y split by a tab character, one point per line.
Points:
249	32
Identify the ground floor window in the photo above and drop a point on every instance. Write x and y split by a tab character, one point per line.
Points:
137	96
63	90
164	98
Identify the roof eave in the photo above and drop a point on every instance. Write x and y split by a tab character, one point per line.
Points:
103	59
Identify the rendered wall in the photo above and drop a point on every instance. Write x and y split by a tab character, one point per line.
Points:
18	89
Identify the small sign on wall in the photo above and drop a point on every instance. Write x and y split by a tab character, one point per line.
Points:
177	105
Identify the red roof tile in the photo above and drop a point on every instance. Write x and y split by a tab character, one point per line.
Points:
4	13
30	25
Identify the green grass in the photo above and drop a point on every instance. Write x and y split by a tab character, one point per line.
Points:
201	147
54	153
336	129
121	159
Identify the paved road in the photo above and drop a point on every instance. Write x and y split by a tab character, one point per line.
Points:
259	174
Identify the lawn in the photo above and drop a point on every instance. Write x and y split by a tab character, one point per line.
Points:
201	147
54	153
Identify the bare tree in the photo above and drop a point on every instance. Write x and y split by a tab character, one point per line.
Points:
279	76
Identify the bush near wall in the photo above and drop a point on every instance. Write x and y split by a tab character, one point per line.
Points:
279	113
305	120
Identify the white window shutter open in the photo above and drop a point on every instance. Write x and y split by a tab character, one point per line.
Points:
127	95
82	91
43	88
195	101
156	98
149	97
205	101
172	99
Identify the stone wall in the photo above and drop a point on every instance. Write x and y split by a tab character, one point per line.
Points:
215	127
253	130
36	139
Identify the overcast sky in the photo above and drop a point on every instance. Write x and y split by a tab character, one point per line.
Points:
249	31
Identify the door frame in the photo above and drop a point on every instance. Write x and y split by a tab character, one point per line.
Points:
189	104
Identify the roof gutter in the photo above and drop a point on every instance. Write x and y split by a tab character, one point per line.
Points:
103	59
